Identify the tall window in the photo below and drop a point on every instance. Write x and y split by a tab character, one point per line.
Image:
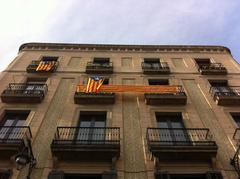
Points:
171	128
49	58
236	117
201	62
158	82
220	86
35	85
101	61
92	127
152	62
9	125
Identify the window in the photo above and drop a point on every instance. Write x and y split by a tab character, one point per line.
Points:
49	58
221	87
152	62
36	80
236	118
10	123
158	82
202	62
92	127
35	85
101	61
171	128
82	176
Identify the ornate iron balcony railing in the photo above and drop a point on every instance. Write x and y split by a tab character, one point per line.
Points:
225	91
179	137
87	135
26	89
9	134
155	66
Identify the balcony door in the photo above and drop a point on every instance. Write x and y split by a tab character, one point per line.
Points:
171	129
10	125
92	127
35	85
221	87
152	63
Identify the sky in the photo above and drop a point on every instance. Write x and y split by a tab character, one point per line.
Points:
152	22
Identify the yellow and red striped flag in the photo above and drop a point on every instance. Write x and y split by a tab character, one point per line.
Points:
94	84
45	65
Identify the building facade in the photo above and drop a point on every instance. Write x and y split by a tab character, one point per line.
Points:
191	133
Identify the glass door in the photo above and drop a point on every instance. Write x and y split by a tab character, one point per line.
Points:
92	128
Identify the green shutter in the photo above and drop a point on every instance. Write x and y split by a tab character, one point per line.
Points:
56	174
214	175
109	175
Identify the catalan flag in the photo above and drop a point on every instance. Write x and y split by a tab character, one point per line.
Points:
94	84
45	65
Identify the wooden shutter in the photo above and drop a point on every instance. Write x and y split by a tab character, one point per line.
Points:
56	174
214	175
162	175
109	175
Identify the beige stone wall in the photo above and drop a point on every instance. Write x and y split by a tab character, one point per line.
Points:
129	112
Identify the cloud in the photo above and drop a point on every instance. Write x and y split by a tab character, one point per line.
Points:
120	21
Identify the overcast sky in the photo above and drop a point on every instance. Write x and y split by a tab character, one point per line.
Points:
193	22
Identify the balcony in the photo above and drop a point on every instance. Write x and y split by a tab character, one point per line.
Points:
177	98
226	95
99	68
212	69
155	68
24	93
86	143
235	161
33	67
181	144
12	140
94	98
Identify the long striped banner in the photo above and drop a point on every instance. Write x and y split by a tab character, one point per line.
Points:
133	89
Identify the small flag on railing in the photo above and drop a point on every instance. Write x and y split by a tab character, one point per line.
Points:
45	65
94	84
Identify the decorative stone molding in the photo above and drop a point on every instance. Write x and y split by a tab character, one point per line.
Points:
124	48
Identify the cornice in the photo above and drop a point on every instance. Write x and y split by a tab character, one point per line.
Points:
130	48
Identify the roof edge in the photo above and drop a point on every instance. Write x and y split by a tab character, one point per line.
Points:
125	46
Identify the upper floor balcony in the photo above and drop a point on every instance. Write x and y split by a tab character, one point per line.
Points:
12	140
24	93
155	68
181	143
94	98
42	66
226	95
99	68
177	97
86	143
212	69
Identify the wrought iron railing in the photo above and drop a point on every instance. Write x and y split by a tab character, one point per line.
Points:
26	89
14	133
225	91
155	66
211	66
94	65
87	135
178	136
179	91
